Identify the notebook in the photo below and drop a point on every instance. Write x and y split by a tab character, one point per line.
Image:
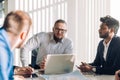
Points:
59	63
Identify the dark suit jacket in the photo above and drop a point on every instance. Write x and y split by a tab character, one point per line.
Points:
112	62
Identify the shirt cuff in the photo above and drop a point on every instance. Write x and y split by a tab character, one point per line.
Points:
94	69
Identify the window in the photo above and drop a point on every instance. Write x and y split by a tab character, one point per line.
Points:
1	12
82	17
115	12
43	12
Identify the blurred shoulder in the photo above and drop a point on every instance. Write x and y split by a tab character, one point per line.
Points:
43	34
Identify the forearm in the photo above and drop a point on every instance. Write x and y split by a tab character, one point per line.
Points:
24	56
28	47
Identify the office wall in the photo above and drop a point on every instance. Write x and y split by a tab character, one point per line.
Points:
82	17
83	20
114	11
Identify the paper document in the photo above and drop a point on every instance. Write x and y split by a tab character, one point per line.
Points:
75	75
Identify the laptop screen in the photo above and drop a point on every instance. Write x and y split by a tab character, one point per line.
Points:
59	63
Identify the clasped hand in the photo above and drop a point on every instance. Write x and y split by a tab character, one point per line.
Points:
84	67
23	71
117	77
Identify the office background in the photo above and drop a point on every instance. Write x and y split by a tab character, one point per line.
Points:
82	17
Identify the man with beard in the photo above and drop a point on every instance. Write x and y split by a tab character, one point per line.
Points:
47	43
107	60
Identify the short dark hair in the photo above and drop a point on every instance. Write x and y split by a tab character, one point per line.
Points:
110	22
60	21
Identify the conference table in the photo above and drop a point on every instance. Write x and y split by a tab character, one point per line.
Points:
100	77
75	75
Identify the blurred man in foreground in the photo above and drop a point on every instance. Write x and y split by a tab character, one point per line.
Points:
12	35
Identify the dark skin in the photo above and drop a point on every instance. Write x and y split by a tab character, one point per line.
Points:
105	33
116	75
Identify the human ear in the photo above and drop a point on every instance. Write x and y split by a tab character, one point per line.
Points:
112	30
22	35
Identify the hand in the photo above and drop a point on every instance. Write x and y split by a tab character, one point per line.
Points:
85	67
42	64
116	75
17	77
24	71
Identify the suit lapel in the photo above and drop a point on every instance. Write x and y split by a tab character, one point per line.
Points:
109	52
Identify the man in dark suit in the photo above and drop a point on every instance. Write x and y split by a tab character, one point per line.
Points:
107	60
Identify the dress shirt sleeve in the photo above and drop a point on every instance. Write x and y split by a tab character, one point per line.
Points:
31	44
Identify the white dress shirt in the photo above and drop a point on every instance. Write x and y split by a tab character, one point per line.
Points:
46	45
106	46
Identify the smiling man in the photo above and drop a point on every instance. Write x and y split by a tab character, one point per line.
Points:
54	42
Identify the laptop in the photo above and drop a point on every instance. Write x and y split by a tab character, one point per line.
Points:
59	63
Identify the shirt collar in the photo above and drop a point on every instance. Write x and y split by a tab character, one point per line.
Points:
107	43
52	38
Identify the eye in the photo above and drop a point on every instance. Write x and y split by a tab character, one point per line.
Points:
62	30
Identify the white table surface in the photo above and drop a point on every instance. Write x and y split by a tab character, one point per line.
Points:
75	77
100	77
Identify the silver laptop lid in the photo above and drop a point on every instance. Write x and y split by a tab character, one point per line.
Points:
59	63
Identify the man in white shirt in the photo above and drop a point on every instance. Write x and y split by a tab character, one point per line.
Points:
54	42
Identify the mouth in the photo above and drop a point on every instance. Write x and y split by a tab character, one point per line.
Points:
59	34
100	33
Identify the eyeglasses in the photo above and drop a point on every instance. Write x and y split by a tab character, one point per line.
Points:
62	30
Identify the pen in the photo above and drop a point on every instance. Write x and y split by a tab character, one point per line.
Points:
39	70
